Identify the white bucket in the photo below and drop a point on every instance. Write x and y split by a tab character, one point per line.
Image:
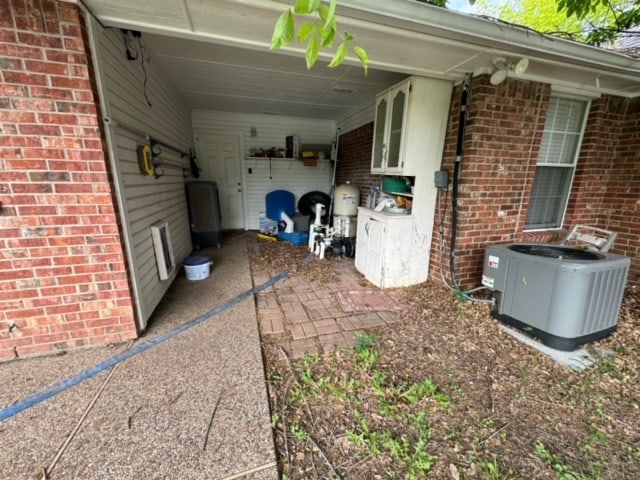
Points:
197	267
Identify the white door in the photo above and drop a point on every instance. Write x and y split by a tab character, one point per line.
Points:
221	163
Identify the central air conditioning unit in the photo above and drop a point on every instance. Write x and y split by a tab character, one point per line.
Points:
564	296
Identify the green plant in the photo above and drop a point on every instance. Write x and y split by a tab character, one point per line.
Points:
364	341
486	422
459	295
275	419
317	34
274	377
491	470
388	408
301	392
562	470
606	365
427	388
367	356
299	432
454	435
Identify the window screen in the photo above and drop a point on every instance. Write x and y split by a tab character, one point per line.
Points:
556	162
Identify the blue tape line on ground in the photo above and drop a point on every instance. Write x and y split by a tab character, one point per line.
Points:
63	385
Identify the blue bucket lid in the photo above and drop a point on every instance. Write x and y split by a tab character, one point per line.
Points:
196	260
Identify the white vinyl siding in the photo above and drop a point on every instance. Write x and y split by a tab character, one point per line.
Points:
268	131
144	200
559	150
282	174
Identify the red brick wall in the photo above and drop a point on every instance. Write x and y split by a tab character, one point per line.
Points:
623	190
63	279
504	128
354	152
606	191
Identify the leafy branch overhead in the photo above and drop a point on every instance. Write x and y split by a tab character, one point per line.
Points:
621	19
316	34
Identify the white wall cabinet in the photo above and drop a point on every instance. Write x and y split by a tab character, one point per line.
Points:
392	250
408	124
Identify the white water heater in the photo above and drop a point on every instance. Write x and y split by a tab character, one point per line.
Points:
346	199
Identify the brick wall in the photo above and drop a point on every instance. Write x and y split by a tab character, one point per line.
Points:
606	190
504	128
623	190
354	152
63	280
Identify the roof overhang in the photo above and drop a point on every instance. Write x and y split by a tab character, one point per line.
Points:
401	36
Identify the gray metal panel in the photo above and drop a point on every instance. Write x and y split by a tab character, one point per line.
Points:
565	298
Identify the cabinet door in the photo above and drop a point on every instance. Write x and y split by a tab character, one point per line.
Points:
379	141
373	270
369	245
398	107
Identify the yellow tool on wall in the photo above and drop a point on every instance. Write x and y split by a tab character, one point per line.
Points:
145	160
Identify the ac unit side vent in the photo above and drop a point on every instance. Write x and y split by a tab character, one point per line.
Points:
604	298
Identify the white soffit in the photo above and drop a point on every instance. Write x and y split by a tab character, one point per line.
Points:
216	53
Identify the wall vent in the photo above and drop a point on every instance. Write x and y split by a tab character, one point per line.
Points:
164	249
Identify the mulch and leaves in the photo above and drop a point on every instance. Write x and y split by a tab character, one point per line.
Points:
447	394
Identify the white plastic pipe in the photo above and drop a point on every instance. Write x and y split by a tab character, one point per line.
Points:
288	222
318	207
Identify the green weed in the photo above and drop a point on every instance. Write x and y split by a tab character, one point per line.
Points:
491	470
299	433
562	470
275	419
364	341
427	388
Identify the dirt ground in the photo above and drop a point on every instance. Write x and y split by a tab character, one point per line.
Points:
446	394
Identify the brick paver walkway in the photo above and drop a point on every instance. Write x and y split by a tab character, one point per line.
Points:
306	317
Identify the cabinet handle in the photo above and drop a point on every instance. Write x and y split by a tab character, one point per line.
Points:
366	225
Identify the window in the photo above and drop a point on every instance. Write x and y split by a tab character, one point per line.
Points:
557	160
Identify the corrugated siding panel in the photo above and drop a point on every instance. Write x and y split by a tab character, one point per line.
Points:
285	174
271	131
144	199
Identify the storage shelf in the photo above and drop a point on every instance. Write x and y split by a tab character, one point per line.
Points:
404	194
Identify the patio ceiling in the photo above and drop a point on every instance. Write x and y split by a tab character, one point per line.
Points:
217	53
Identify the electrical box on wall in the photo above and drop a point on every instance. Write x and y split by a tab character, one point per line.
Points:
441	179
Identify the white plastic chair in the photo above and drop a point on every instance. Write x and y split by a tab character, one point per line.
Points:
597	239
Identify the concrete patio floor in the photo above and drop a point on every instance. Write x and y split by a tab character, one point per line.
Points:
195	406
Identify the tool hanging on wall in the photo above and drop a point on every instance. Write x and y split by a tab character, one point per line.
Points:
193	163
145	160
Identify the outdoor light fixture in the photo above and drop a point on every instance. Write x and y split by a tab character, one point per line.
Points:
504	65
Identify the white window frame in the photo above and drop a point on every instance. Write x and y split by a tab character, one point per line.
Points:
573	165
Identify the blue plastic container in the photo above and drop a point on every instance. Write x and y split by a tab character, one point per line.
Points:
297	238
